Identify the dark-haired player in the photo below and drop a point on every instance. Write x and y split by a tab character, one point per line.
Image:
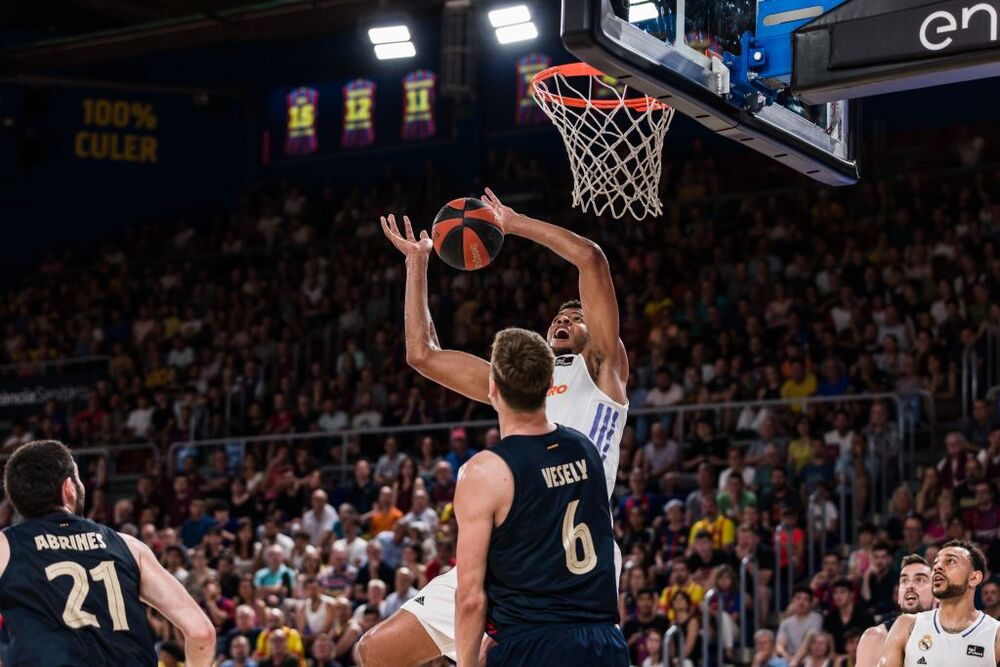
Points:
913	596
71	590
955	634
536	551
587	393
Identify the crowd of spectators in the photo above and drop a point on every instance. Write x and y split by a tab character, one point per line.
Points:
286	317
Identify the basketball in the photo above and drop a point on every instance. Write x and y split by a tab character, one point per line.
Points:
465	234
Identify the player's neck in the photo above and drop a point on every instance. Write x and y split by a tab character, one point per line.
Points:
513	422
956	614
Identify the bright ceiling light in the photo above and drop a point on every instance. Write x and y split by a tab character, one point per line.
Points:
395	50
517	33
509	16
391	33
643	11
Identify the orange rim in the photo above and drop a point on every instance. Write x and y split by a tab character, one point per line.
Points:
643	103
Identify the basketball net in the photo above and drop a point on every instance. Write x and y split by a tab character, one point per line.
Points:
614	142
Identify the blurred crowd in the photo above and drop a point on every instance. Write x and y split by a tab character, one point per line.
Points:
286	318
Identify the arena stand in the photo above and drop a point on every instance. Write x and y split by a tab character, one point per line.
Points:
812	392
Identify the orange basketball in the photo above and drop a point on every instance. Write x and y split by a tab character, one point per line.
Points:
466	235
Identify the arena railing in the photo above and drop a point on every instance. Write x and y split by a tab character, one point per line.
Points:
904	419
673	632
706	627
29	369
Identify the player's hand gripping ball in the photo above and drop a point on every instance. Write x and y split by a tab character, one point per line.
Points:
466	234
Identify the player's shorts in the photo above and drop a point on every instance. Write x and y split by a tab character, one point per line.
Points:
594	645
434	607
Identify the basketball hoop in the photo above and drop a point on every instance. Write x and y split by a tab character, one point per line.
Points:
614	142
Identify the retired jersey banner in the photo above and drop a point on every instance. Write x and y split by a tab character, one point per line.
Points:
418	105
303	109
528	112
359	114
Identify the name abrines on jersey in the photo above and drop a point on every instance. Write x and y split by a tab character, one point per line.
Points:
78	542
567	473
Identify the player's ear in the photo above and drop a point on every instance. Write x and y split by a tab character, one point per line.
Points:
69	491
976	578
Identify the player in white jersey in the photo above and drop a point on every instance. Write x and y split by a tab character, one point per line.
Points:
955	634
588	394
913	596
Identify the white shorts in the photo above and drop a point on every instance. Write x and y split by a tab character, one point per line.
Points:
434	607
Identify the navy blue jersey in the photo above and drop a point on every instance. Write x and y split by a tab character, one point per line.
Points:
70	596
552	559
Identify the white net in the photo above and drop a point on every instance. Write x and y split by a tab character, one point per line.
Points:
615	143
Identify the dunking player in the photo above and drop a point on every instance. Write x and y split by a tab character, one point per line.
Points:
70	589
955	634
914	596
588	394
536	565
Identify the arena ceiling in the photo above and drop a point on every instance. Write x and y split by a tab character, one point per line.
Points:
75	32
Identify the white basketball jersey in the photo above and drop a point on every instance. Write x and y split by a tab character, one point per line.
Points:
575	401
930	646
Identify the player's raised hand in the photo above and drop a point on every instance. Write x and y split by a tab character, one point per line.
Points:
406	242
502	213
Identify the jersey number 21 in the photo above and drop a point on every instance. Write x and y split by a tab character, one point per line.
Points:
73	614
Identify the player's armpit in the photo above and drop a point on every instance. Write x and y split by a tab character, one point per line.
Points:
461	372
895	644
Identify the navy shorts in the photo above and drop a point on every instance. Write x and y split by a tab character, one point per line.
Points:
594	645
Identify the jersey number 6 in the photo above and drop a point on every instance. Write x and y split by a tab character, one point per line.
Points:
571	534
74	615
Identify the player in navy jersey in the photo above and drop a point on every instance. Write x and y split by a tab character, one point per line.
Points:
536	566
71	590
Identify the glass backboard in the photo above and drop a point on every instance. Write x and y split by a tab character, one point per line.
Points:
690	54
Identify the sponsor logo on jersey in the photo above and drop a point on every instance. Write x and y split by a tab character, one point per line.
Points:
558	389
419	600
922	661
564	360
975	651
925	643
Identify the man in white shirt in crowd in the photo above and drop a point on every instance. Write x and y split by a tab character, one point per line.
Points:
140	418
351	542
841	434
661	454
421	510
320	519
737	465
666	392
798	624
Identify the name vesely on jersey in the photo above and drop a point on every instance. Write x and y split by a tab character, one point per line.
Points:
567	473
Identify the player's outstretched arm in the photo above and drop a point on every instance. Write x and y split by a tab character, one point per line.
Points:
464	373
482	484
597	290
160	590
870	646
895	643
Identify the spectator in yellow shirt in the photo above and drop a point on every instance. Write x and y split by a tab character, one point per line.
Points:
275	620
721	529
800	385
680	580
